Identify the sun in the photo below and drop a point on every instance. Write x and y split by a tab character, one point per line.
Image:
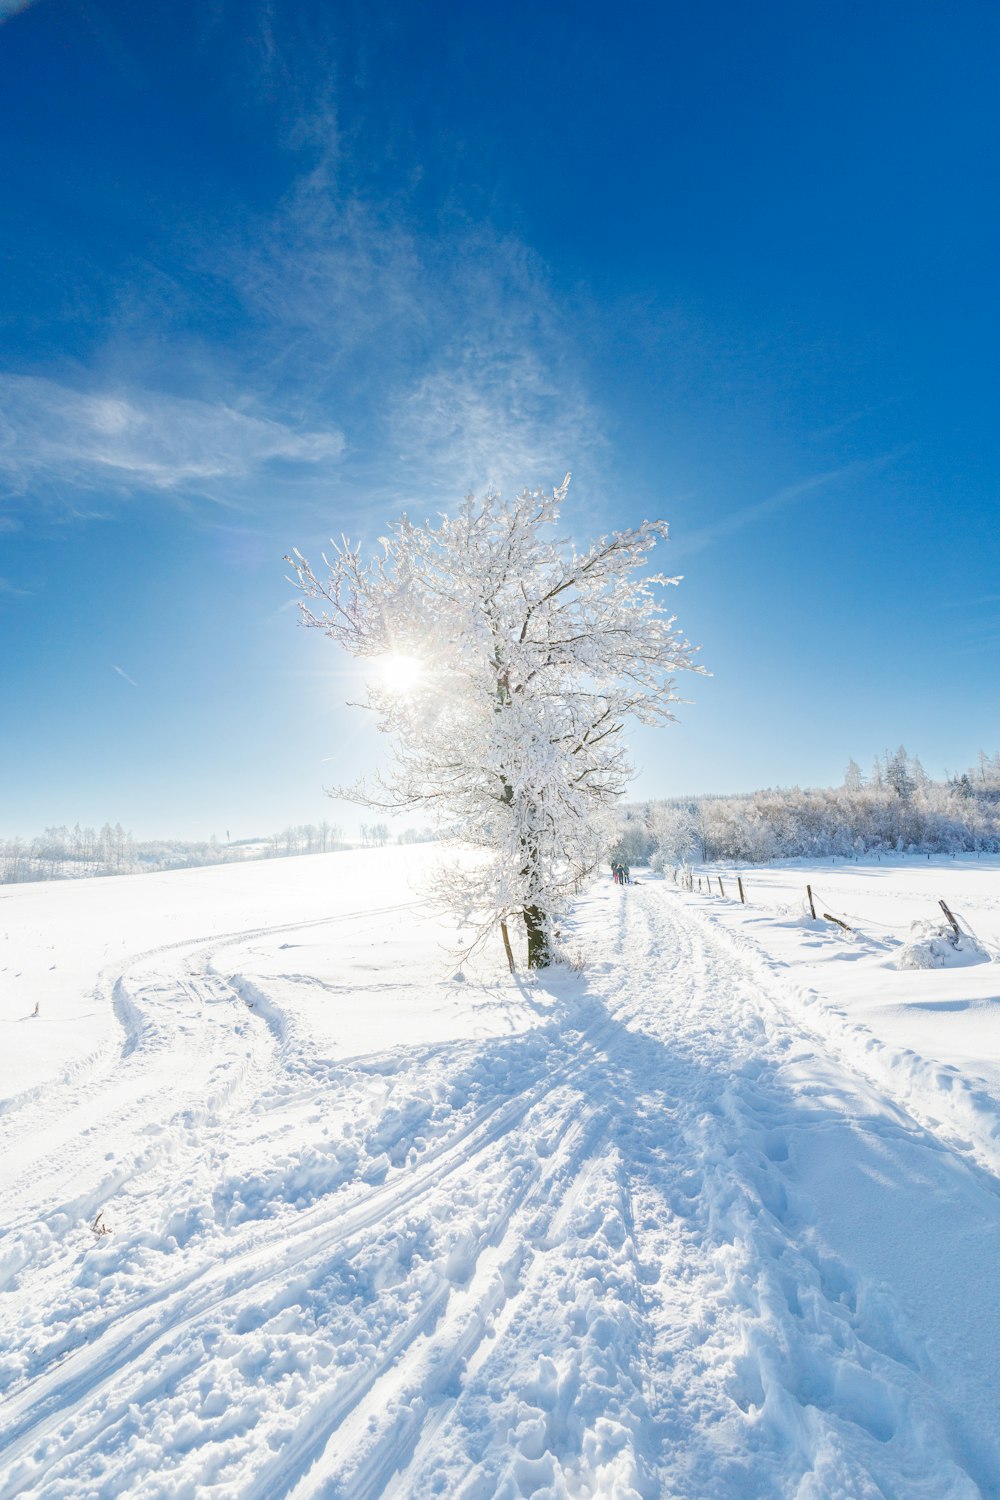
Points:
397	673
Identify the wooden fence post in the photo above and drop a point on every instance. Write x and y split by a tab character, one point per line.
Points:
948	913
812	906
739	882
506	943
722	889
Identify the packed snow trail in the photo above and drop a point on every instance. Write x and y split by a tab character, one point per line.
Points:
659	1241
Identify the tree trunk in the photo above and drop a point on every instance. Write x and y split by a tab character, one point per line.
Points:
539	955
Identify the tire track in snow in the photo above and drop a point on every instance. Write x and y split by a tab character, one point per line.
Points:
575	1407
58	1121
754	1360
371	1431
487	1124
136	1340
83	1076
952	1108
220	1060
647	1309
816	1357
216	1071
557	1400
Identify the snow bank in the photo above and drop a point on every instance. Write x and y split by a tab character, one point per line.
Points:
936	945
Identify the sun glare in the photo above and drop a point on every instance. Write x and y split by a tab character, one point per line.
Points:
399	674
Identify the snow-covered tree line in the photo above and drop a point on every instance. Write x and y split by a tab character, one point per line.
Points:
896	808
63	852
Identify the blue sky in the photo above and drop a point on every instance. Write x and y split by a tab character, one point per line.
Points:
274	272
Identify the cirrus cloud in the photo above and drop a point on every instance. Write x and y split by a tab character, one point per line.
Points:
54	434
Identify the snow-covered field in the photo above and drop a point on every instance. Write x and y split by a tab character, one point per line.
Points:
715	1214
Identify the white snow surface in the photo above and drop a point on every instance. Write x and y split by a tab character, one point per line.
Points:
711	1211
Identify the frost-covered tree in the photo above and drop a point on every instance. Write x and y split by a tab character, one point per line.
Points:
505	664
674	835
899	775
853	779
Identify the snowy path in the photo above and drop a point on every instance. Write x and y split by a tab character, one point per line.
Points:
659	1241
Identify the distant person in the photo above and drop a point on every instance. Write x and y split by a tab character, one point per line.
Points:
626	875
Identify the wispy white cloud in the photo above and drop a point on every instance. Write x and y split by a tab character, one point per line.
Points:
334	286
442	351
447	354
503	398
981	600
736	521
979	627
122	673
135	439
500	420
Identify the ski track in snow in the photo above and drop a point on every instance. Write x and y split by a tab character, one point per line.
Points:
586	1259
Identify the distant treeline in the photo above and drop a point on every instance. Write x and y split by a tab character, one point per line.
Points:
897	808
62	853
